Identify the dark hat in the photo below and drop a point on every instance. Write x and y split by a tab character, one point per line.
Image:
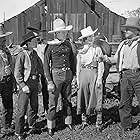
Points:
133	22
36	30
30	35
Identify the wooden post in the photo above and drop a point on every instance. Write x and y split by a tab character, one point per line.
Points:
43	20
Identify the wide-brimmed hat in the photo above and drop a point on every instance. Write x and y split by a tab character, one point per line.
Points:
59	25
133	22
36	30
87	32
30	35
2	31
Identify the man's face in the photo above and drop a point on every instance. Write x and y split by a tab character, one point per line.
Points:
3	42
61	35
88	39
33	43
130	32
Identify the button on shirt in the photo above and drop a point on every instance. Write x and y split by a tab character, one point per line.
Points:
60	55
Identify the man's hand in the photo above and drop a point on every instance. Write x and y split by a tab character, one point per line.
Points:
99	83
26	89
73	81
103	58
51	86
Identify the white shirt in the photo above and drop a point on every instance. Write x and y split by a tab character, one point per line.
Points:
40	51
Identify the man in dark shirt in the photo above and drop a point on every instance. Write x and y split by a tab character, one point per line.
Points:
6	83
59	69
40	49
28	68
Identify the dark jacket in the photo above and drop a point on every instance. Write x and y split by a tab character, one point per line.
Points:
59	56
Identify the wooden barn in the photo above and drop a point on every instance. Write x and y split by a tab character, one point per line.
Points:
79	13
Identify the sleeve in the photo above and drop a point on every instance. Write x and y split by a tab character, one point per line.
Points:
73	62
19	70
47	59
100	64
78	66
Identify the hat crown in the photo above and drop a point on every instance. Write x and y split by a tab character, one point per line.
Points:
87	31
133	21
58	24
28	35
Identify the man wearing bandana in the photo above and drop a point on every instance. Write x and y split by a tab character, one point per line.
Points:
127	58
59	69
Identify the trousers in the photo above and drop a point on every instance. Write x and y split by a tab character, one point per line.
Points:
6	88
62	81
130	85
45	93
27	102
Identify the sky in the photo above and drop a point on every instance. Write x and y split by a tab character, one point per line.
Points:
120	6
10	8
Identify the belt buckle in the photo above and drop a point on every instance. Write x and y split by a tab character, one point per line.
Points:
64	69
33	77
134	70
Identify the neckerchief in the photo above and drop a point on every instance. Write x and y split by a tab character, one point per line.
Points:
85	49
130	41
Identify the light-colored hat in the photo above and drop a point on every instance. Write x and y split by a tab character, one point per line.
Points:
133	22
87	32
59	25
3	33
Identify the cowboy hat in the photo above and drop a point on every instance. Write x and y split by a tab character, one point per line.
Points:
87	32
133	22
30	35
59	25
3	33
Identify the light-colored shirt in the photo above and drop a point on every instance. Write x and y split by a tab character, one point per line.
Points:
130	58
87	57
40	51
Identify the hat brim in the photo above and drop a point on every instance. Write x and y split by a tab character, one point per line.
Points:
81	37
35	29
6	34
25	41
67	28
138	27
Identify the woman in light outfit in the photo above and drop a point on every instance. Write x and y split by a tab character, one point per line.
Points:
89	78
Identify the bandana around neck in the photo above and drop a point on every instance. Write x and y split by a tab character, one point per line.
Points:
85	48
130	41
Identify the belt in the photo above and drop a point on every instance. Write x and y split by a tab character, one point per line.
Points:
88	67
34	77
63	69
132	70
